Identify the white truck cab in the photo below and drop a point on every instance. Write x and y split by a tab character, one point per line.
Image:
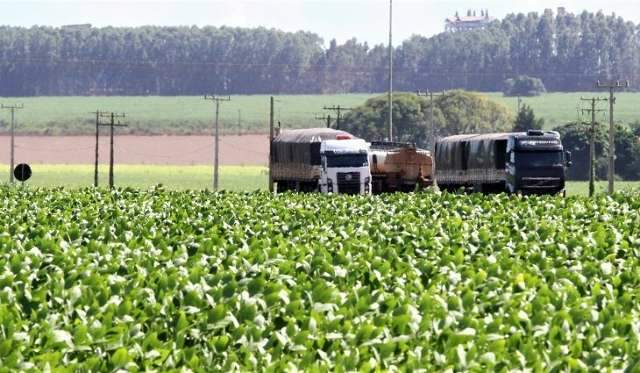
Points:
345	166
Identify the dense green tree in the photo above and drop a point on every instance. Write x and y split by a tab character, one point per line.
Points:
523	86
576	138
454	112
526	120
466	112
370	121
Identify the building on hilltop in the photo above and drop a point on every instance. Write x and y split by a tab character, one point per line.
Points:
83	26
472	21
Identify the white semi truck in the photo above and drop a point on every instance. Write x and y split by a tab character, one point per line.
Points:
320	160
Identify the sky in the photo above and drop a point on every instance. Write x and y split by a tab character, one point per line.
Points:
366	20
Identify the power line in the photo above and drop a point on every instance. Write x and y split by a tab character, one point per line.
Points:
612	86
338	109
310	67
13	109
432	126
217	100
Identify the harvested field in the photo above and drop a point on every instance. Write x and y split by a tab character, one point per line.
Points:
156	150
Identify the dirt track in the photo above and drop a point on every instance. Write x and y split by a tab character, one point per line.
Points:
157	150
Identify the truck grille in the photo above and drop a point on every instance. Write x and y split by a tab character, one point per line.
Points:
541	182
349	182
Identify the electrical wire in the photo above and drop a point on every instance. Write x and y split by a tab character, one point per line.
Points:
307	67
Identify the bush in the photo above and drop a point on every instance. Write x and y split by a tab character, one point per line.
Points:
523	86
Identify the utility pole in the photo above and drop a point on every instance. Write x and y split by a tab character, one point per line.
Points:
239	122
112	124
216	154
98	113
592	141
271	143
519	104
13	109
612	86
432	127
338	109
390	98
326	118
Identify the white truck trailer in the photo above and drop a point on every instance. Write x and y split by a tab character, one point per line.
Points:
320	160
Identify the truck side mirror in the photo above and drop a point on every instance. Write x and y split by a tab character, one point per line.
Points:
567	158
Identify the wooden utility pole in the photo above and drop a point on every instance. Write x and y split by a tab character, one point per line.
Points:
326	118
216	153
13	109
390	98
338	109
271	143
592	141
112	124
612	86
98	113
432	125
95	171
519	104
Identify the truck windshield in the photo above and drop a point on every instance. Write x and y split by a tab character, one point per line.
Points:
347	160
539	159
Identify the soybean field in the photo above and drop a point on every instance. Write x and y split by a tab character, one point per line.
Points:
102	280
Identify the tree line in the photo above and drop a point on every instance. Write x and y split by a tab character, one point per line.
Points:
567	52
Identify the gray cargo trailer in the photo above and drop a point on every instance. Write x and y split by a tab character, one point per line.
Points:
531	162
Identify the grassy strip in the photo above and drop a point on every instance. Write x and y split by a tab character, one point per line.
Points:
232	178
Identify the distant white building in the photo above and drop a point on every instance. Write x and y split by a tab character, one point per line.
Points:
472	21
83	26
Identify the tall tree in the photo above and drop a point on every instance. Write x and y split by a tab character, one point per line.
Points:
526	120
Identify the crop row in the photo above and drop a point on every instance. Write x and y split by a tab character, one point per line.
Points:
162	280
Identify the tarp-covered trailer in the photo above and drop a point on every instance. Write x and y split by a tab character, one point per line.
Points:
531	162
320	159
